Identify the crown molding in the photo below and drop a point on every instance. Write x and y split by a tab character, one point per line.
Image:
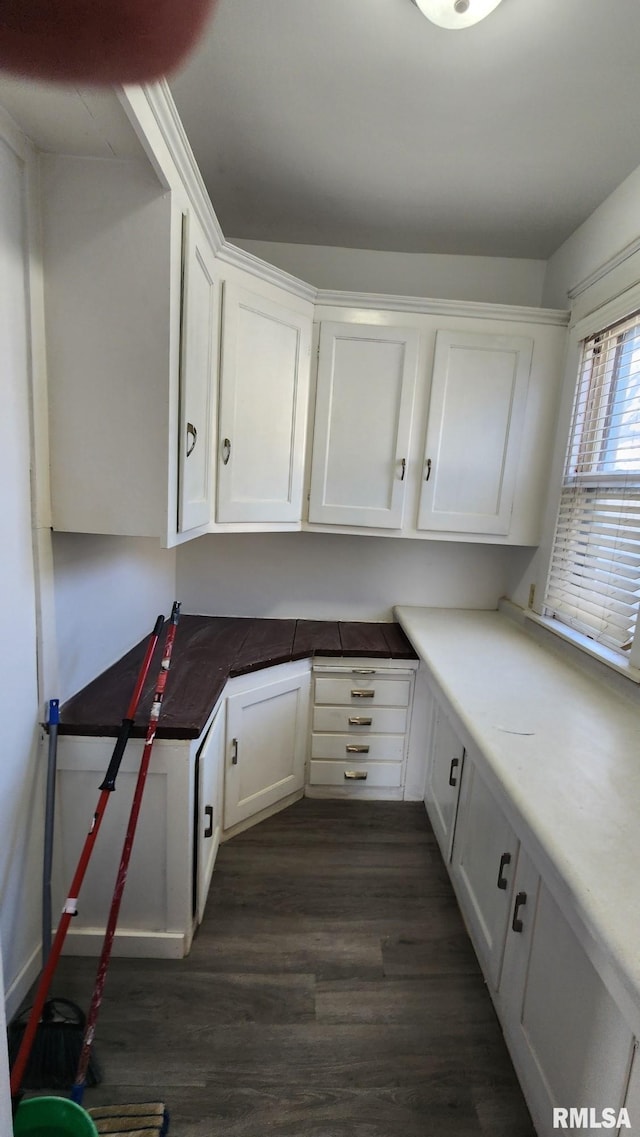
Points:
158	100
233	255
424	305
605	268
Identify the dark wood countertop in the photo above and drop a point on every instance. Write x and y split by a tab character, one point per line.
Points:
208	650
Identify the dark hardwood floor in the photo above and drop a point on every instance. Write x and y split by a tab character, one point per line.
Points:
331	991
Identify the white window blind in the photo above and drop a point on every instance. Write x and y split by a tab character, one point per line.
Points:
594	578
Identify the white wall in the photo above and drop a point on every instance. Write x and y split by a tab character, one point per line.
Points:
499	280
20	787
611	228
108	593
333	576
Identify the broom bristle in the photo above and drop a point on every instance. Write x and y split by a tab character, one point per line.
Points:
56	1049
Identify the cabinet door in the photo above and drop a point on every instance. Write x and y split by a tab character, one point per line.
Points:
476	415
483	866
443	781
198	376
569	1042
366	381
266	745
264	387
209	799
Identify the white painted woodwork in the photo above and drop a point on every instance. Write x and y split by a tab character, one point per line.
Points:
444	775
210	801
373	747
483	840
156	914
198	376
358	748
569	1041
364	400
266	740
112	280
363	691
356	774
264	384
378	720
475	423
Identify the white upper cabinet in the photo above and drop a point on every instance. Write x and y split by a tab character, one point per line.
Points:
264	384
366	382
474	429
198	373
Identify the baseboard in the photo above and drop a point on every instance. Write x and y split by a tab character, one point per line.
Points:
363	793
133	944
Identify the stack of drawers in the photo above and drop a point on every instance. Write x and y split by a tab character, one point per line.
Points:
360	724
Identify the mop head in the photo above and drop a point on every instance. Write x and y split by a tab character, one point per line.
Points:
149	1119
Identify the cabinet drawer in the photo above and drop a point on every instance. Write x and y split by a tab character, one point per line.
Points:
375	720
372	746
362	691
387	774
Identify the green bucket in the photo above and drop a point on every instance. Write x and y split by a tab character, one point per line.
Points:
52	1117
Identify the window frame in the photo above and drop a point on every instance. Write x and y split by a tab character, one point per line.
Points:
599	318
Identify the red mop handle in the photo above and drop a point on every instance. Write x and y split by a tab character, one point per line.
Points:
69	908
77	1090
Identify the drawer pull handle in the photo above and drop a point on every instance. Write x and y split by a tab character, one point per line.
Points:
455	762
193	433
521	900
355	775
208	812
234	751
358	694
505	860
360	720
357	749
363	670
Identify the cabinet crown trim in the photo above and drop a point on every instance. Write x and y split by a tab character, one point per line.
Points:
557	317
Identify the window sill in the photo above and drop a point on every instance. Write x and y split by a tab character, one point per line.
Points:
590	647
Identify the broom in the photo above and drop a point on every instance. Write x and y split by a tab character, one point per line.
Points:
45	1040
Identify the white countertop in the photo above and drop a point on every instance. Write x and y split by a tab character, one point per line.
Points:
566	753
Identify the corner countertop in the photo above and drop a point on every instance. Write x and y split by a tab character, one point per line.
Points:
565	752
208	650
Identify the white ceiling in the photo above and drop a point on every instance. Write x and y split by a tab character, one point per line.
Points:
359	123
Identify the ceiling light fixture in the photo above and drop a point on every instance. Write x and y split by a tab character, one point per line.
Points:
456	13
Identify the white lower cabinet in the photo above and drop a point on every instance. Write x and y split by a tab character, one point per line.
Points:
266	739
209	808
483	865
444	774
360	728
569	1041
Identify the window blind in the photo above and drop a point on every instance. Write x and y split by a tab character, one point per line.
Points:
594	577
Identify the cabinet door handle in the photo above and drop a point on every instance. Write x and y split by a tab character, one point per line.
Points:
208	812
191	432
357	749
521	900
355	775
455	762
505	860
234	751
403	463
226	451
428	470
358	694
360	720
